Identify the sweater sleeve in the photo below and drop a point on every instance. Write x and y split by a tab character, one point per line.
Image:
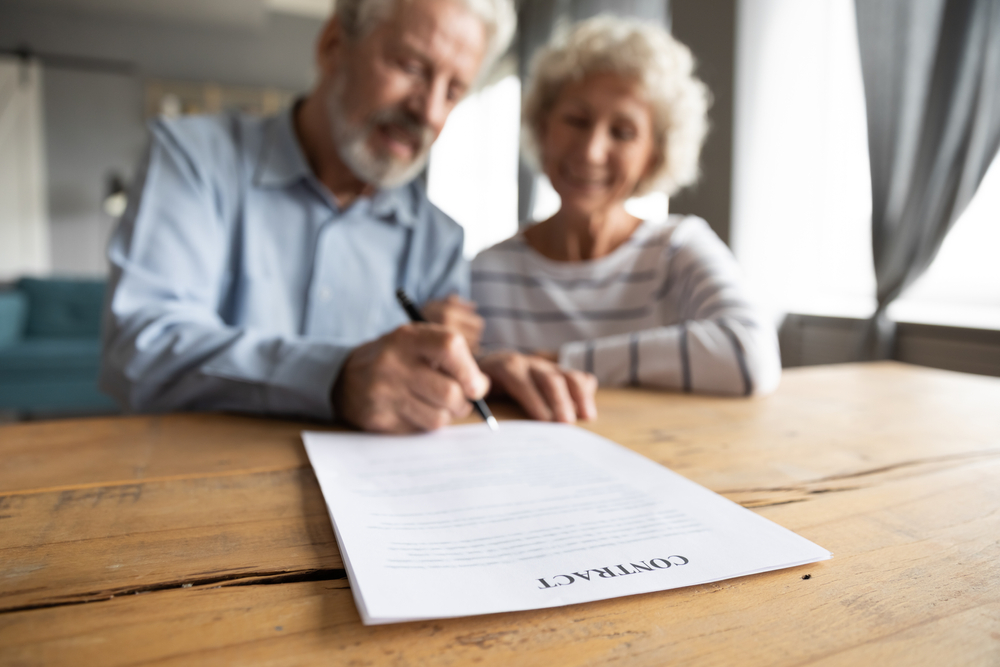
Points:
718	342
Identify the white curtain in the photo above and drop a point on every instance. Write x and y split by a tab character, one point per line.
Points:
24	229
801	188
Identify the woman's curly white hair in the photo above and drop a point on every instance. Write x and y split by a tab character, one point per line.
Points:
661	65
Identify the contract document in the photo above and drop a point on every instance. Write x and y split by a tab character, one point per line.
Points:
465	521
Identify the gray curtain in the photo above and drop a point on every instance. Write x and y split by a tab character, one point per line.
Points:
932	84
536	21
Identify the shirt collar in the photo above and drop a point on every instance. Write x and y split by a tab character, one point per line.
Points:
282	163
398	203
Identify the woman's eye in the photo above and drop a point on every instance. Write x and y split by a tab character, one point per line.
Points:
574	120
623	133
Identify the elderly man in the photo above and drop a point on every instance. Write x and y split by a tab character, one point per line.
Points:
256	266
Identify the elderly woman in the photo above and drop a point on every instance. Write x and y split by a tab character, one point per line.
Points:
613	111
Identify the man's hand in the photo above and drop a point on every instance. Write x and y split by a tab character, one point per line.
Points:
417	378
545	391
458	314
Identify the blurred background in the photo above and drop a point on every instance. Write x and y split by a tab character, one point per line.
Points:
786	180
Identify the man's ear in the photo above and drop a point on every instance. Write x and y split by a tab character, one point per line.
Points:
328	46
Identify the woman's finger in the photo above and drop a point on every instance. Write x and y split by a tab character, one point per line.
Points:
552	385
582	387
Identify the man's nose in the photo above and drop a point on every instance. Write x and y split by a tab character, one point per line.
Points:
431	104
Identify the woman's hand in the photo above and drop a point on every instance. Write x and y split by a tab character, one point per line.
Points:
459	315
545	391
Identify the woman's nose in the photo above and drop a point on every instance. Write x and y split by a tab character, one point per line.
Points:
596	146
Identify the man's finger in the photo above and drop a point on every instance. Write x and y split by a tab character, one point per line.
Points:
552	385
417	415
467	322
438	390
449	352
459	302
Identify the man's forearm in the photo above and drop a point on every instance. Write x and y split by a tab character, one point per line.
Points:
195	366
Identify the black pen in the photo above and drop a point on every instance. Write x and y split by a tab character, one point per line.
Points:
416	316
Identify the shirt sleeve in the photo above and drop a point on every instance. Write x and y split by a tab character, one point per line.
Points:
165	346
443	268
722	343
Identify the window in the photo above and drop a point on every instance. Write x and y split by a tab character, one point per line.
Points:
24	227
473	168
802	191
962	286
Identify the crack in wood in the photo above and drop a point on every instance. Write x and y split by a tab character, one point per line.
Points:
805	487
755	505
965	456
227	581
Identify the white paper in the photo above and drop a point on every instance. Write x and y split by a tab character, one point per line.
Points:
464	521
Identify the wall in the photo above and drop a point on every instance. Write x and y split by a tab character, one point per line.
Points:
93	100
708	27
808	340
94	128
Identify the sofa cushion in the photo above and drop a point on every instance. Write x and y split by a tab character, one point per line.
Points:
63	308
52	374
50	356
13	316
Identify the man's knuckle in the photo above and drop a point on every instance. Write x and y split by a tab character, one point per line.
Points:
518	363
455	395
453	342
439	419
383	358
400	333
380	421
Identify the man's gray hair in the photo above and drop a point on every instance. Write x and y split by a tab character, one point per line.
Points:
359	17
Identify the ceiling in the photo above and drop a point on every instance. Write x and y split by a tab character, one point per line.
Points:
241	13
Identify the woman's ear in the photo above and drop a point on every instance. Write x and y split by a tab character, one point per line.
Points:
541	132
541	128
656	162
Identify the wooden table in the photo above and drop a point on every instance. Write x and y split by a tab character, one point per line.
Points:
203	539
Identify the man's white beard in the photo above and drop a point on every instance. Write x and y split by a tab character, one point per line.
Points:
351	141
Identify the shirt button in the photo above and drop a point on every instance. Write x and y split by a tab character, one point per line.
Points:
324	293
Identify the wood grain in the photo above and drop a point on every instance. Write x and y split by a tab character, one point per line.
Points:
101	541
121	450
203	539
901	568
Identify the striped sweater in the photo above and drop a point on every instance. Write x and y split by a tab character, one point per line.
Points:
666	309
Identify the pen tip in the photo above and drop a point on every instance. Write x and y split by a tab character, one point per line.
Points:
492	421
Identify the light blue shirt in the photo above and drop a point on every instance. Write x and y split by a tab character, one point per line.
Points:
237	283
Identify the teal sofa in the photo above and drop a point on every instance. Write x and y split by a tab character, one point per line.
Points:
50	348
